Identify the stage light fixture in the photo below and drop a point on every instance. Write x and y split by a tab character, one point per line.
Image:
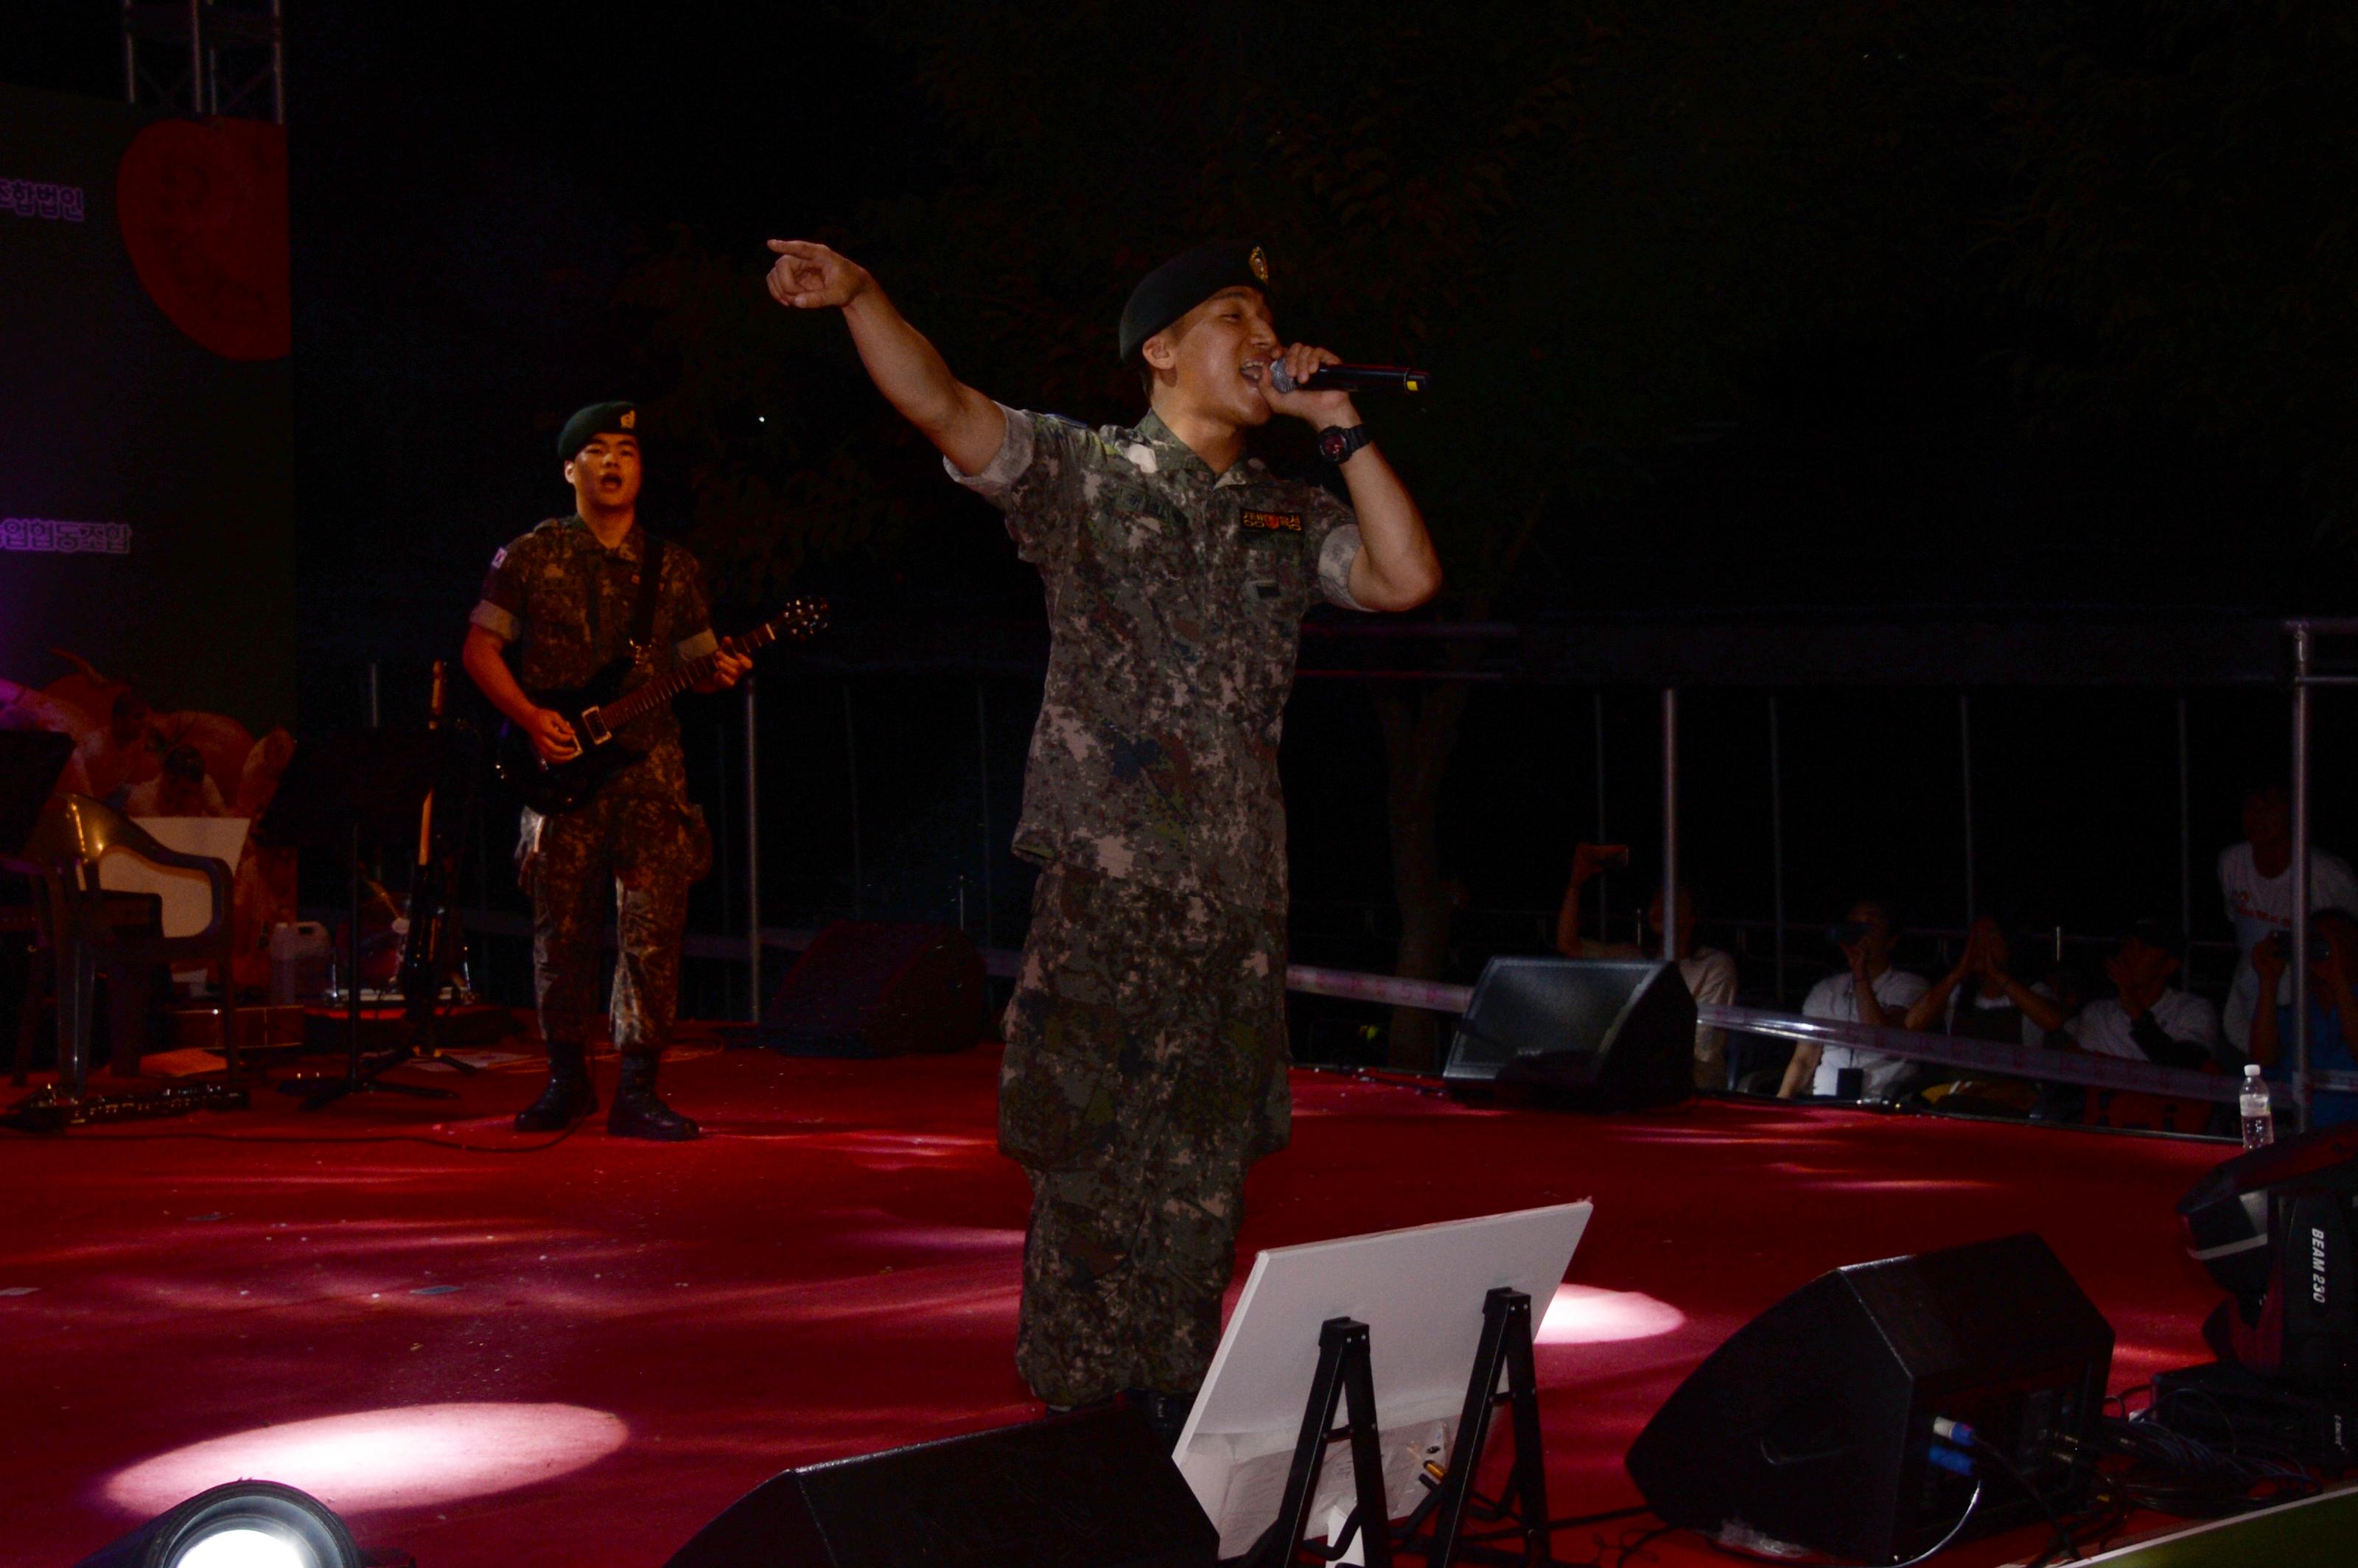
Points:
245	1524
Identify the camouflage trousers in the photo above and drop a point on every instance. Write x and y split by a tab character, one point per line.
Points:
641	849
1144	1073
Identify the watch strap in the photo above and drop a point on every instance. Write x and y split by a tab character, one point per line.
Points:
1338	444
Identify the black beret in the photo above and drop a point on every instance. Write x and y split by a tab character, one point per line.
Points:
598	419
1180	284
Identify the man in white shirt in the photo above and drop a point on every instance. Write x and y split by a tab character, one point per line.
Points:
1710	974
1869	992
2149	1020
2255	878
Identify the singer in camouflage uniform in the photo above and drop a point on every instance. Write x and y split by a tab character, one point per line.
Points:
1146	1045
556	607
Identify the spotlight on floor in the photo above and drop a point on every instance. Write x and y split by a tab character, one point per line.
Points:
246	1524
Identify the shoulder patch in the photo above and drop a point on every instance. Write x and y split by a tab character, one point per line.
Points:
1271	522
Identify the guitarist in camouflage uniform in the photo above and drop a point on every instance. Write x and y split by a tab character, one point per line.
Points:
564	596
1146	1045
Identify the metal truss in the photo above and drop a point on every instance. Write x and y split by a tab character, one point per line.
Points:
206	57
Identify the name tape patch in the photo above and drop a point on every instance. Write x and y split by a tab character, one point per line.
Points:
1273	522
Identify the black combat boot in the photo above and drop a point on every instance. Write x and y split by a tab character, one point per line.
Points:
638	1114
569	1097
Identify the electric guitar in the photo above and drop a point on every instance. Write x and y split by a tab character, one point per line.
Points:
601	709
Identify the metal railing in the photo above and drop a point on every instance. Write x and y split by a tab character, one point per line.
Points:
2305	678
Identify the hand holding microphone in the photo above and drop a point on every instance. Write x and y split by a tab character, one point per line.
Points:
1350	378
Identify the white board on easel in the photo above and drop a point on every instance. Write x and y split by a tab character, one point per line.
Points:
1419	1292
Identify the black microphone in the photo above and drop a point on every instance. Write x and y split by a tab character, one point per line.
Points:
1352	378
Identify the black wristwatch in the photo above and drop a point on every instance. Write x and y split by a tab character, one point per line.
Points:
1336	443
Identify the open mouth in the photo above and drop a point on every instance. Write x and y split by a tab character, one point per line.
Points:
1252	370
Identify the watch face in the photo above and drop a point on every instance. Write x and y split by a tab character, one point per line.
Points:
1333	445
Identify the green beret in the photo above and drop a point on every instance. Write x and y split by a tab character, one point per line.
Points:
598	419
1180	284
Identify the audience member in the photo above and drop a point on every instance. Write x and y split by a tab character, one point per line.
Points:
2255	878
2332	1011
1995	1005
1710	973
182	789
2149	1017
2061	1101
1869	992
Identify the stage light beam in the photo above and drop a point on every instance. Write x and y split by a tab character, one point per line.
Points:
408	1457
1584	1314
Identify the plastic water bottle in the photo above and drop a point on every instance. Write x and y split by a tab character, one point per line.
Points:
2259	1117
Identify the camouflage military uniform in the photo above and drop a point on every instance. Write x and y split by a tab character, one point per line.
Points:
566	601
1146	1053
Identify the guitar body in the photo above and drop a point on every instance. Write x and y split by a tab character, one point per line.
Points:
553	789
598	710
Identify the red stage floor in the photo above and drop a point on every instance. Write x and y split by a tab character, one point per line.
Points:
521	1353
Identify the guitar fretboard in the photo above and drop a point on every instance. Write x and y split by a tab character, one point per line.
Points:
800	619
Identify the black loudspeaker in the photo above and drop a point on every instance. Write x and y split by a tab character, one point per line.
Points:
1813	1425
866	989
1092	1490
2278	1227
1576	1033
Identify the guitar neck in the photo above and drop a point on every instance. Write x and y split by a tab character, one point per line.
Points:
644	699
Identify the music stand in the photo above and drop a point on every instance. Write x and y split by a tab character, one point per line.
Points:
347	791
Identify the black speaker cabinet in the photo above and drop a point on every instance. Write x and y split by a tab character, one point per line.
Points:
1814	1424
869	989
1091	1490
1576	1033
2277	1226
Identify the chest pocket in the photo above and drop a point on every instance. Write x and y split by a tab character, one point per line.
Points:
1272	566
1130	520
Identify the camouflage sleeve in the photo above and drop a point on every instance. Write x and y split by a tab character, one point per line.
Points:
1035	479
691	608
1331	535
501	609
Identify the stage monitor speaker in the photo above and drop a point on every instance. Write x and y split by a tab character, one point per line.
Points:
1813	1425
1089	1491
2278	1227
1577	1035
868	989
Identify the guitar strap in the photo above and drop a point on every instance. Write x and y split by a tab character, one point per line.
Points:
643	613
